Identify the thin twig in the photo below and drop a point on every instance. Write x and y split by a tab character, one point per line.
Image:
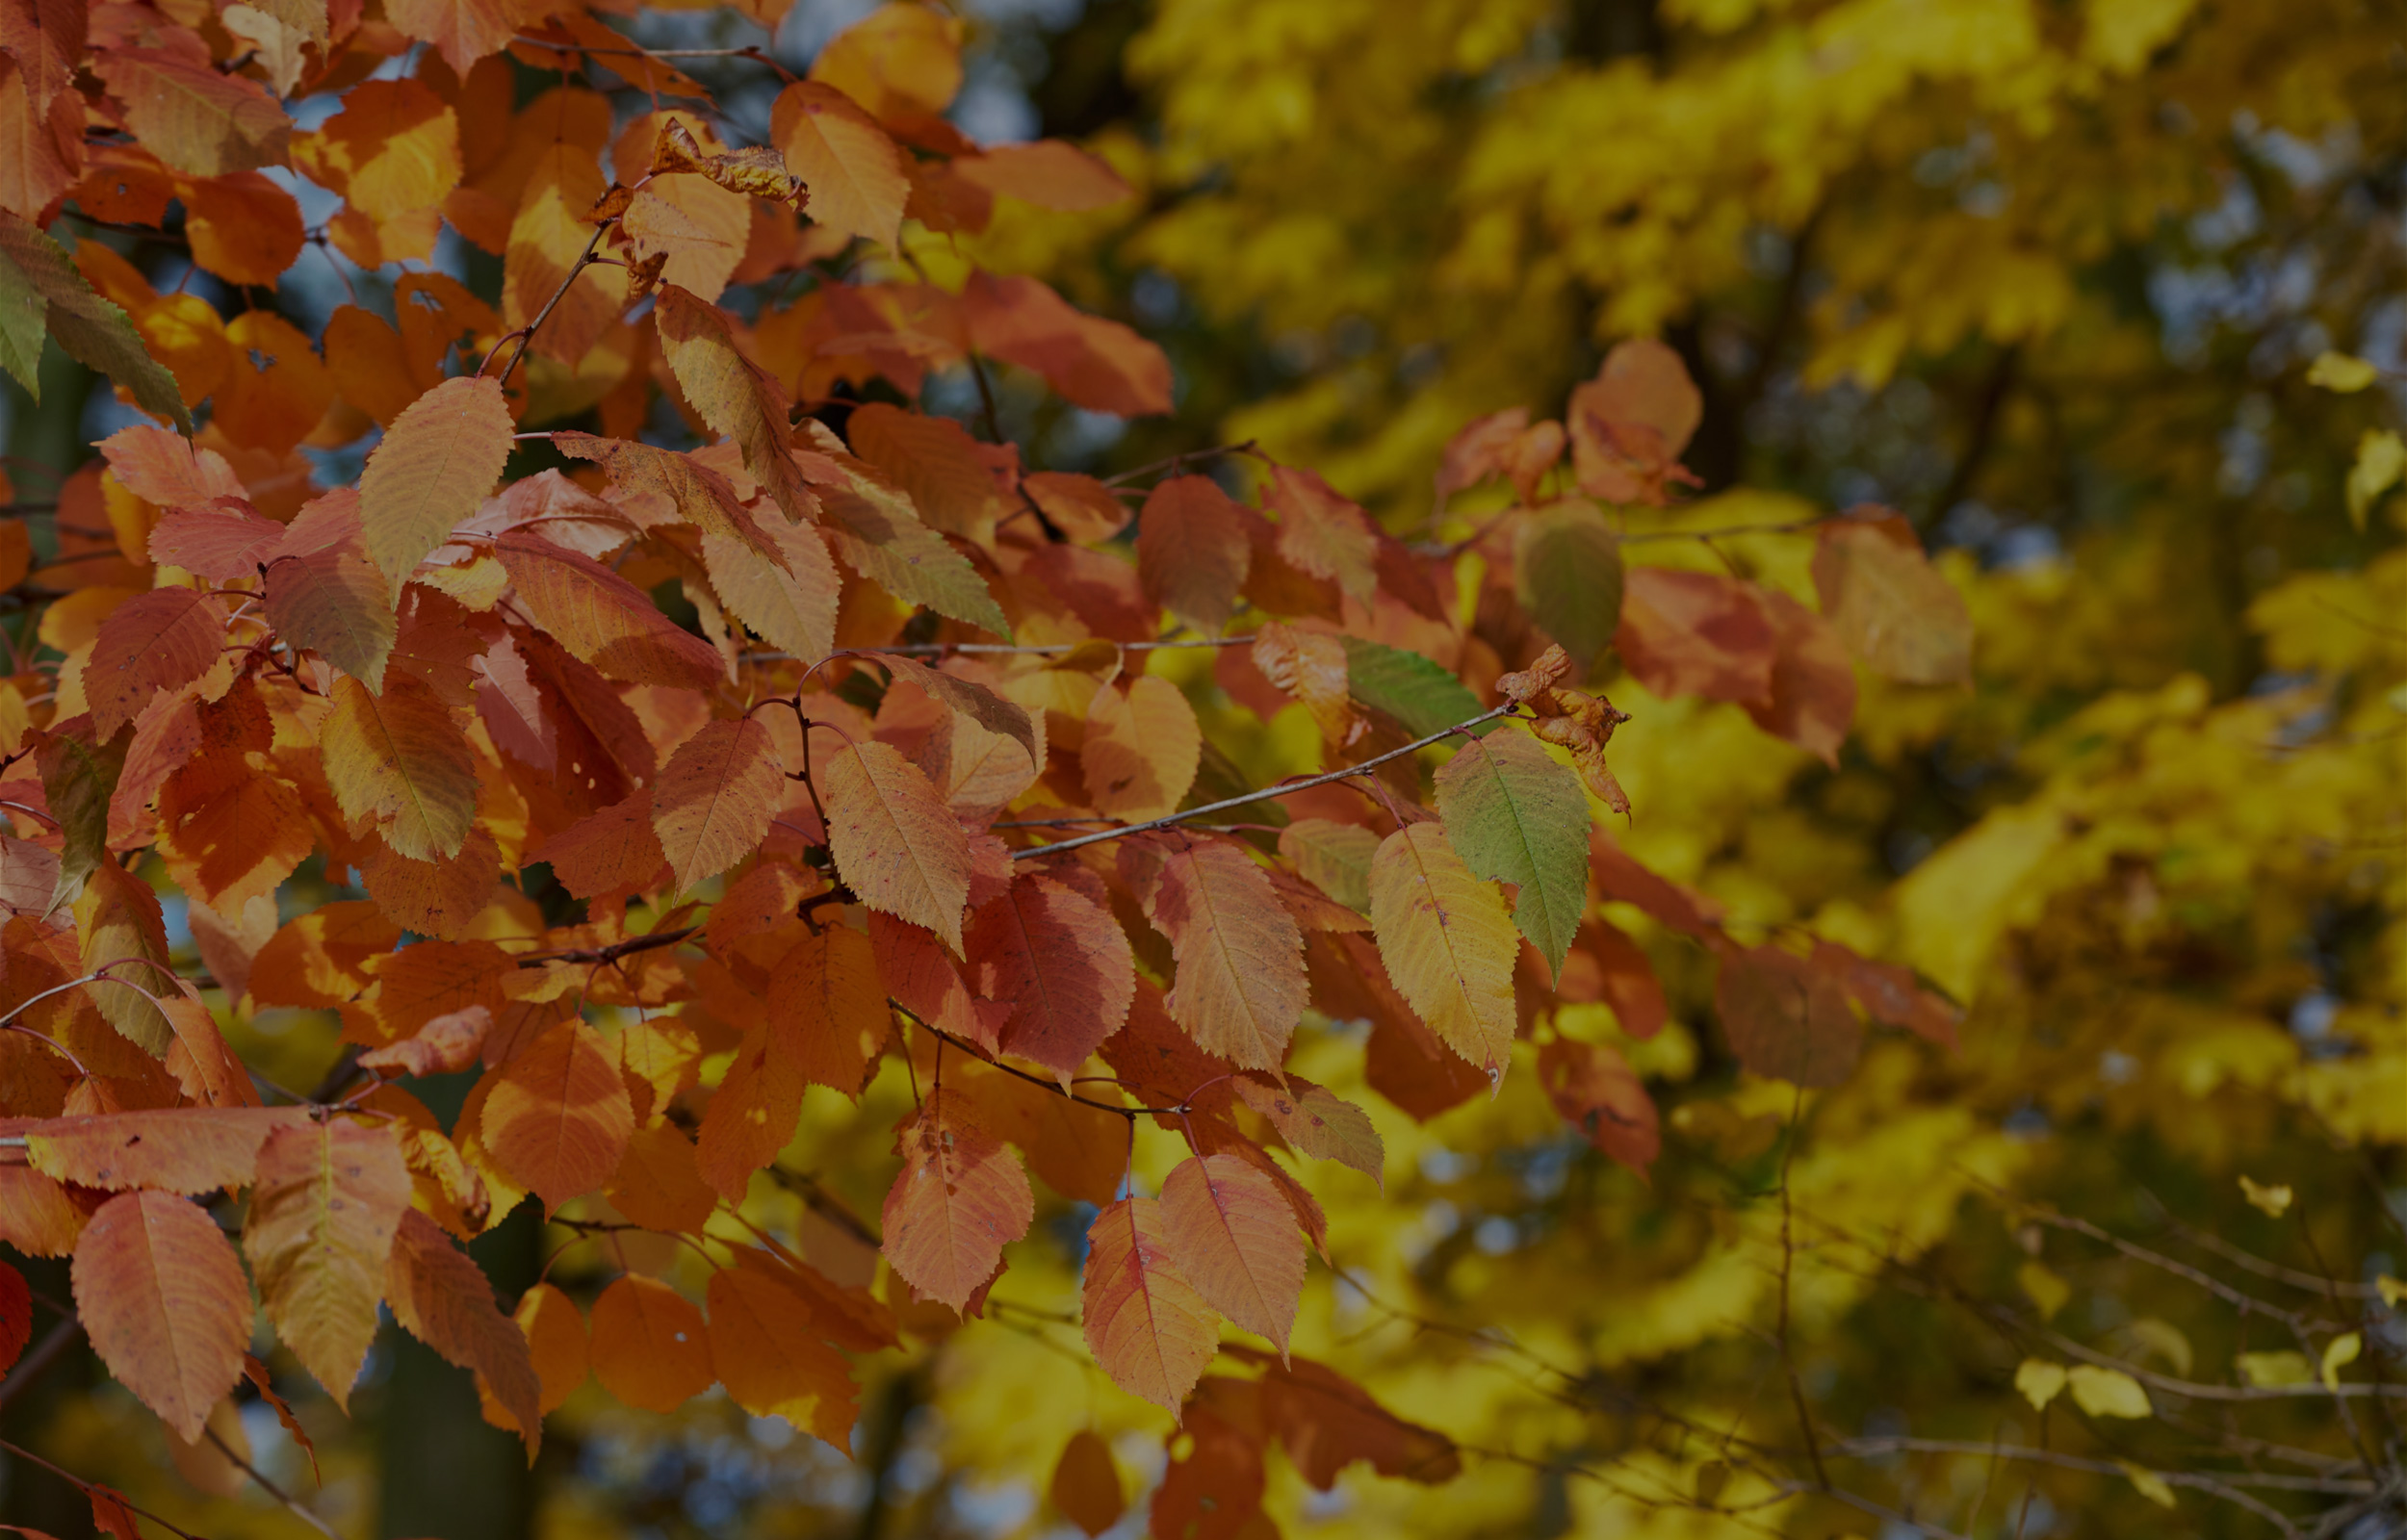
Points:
1248	799
270	1488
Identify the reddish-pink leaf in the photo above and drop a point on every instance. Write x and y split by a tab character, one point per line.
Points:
1786	1018
1192	552
962	1196
1233	1236
161	640
1094	363
712	804
1595	1090
1697	633
1241	986
1813	682
895	842
163	1299
1147	1326
1060	961
167	469
1327	1422
219	543
602	618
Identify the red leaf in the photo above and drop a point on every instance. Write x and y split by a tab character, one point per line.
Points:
602	618
16	1315
161	640
1596	1092
1145	1324
1094	363
1813	682
1061	963
1697	633
959	1199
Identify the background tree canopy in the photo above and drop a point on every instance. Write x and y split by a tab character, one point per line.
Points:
1949	1076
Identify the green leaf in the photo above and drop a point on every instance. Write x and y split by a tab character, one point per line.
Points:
1416	692
1515	815
884	541
35	273
1566	568
77	780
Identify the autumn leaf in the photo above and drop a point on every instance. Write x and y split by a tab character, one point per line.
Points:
735	395
1446	943
402	762
1147	1326
42	291
714	800
1094	363
1787	1018
603	619
1595	1091
1085	1488
164	1302
16	1315
557	1117
182	1149
1061	963
1566	568
961	1197
435	464
441	1297
773	1360
1887	603
1240	985
895	843
885	542
828	1014
1141	748
1515	815
1231	1235
650	1345
198	121
1316	1121
327	1200
657	1184
853	171
161	640
1192	552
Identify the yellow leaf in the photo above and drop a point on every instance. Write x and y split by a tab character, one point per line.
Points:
403	761
853	171
2340	373
2106	1392
2046	1290
2381	459
1448	943
2274	1369
2274	1200
2039	1382
2393	1292
2151	1485
2338	1355
434	468
1141	748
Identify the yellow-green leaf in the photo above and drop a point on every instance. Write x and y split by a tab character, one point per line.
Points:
2106	1392
1447	943
434	468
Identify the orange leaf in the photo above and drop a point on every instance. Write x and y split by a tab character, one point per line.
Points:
463	31
1146	1324
1086	1487
327	1200
442	1299
275	390
402	762
933	459
183	1149
242	227
960	1198
896	60
1813	682
1629	424
1447	942
36	1216
169	469
161	640
827	1008
751	1116
657	1184
774	1358
1594	1090
558	1117
650	1346
735	395
445	1045
602	618
1233	1236
557	1342
854	171
392	150
714	800
1323	534
895	842
1141	748
434	468
1240	985
1192	552
1094	363
1060	961
166	1304
613	851
1318	1122
196	120
1050	173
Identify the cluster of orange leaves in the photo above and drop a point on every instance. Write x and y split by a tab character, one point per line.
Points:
835	822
